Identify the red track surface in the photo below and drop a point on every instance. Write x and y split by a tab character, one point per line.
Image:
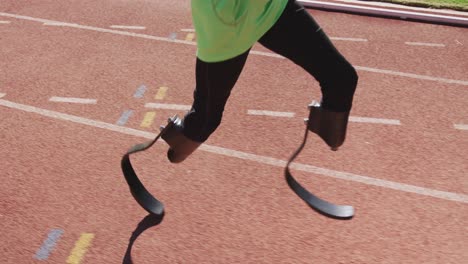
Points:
221	209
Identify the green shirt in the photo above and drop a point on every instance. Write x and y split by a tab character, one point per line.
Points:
228	28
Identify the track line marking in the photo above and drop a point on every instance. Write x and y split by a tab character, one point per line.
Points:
190	36
356	119
461	126
72	100
4	22
270	113
172	36
49	244
267	54
148	119
349	39
59	24
140	92
119	32
383	121
162	91
450	196
411	75
424	44
76	119
168	106
97	29
187	30
128	27
81	246
124	118
2	95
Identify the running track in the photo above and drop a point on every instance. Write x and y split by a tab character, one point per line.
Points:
64	200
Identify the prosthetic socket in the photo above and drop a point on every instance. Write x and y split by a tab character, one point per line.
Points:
330	126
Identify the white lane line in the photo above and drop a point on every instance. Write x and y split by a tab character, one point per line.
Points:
128	27
59	24
187	30
270	113
411	75
168	106
349	39
4	22
450	196
77	119
461	126
425	44
456	197
119	32
268	54
2	95
72	100
383	121
356	119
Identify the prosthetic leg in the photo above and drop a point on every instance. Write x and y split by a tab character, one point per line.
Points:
180	147
331	127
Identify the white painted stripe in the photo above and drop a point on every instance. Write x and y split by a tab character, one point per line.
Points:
59	24
456	197
411	75
150	37
124	33
4	22
2	95
103	30
187	30
270	113
127	27
349	39
384	121
424	44
168	106
356	119
72	100
77	119
339	175
461	126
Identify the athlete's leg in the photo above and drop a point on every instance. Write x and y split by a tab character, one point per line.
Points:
214	82
298	37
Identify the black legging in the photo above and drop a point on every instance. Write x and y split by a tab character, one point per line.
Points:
295	36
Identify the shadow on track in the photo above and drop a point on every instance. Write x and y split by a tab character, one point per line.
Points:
147	222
